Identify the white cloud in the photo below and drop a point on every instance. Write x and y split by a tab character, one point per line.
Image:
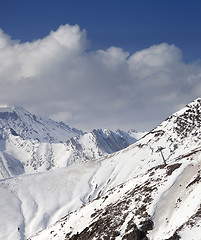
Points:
30	59
112	57
58	76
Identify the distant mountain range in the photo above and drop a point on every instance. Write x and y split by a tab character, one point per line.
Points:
29	143
148	190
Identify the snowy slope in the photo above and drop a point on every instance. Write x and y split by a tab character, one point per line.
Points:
18	156
39	200
28	126
27	142
95	145
159	204
31	144
132	135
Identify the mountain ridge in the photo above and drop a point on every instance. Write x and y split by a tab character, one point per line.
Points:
29	126
130	194
141	205
34	144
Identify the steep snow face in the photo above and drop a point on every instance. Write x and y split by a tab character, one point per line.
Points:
182	131
19	156
109	141
136	134
162	203
27	141
31	144
131	135
95	145
124	134
28	126
39	200
55	193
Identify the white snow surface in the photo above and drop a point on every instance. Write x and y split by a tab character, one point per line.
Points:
37	201
28	126
30	144
168	214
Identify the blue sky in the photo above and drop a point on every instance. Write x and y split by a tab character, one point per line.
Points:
129	24
101	64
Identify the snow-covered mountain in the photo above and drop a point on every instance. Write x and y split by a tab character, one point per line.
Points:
163	203
28	126
131	135
132	194
95	145
136	134
30	144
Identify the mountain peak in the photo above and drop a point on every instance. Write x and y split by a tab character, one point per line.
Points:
3	105
30	126
135	189
7	108
13	109
197	100
195	104
131	187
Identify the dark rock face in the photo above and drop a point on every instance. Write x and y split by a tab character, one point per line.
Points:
7	115
190	120
147	225
174	237
107	223
171	168
13	132
135	235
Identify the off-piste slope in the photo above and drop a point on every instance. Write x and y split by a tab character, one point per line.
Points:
163	203
136	195
34	202
30	144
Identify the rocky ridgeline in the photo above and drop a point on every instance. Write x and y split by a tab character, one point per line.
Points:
159	202
30	144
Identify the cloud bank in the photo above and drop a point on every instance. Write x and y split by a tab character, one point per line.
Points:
58	76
